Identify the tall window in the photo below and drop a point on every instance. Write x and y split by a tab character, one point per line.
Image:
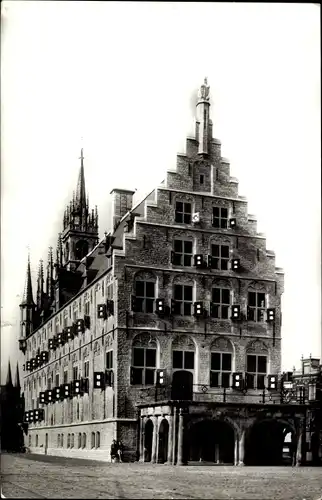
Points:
49	383
62	440
93	440
98	439
220	257
86	369
109	360
183	212
72	441
58	441
68	440
220	303
182	255
256	306
144	292
87	308
220	369
57	380
220	217
84	440
256	371
183	360
144	365
182	299
36	440
79	440
65	376
75	372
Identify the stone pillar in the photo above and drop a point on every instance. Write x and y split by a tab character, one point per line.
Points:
154	440
236	450
142	425
299	457
241	449
174	436
180	439
170	440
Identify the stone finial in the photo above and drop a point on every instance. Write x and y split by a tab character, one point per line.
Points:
204	91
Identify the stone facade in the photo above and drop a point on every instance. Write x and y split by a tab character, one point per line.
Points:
189	246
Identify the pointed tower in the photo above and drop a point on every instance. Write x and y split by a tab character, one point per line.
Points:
9	384
80	233
203	133
50	276
17	381
40	287
27	309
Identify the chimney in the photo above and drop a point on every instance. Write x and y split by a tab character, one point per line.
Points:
121	204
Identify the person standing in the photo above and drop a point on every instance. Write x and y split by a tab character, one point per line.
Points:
114	451
120	449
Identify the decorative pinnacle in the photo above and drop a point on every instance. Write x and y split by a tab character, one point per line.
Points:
204	91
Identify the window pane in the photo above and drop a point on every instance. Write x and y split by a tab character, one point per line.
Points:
261	364
187	260
139	304
178	246
215	311
225	296
216	222
150	357
189	360
188	293
216	211
252	299
187	218
223	223
139	288
224	213
251	314
214	379
138	356
137	376
149	377
177	307
149	289
188	246
215	250
179	217
216	295
225	379
215	361
260	315
177	359
215	263
187	309
149	305
251	363
226	362
177	258
187	208
260	381
261	299
224	264
224	312
178	292
250	381
225	251
179	206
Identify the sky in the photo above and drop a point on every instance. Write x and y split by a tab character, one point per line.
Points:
120	80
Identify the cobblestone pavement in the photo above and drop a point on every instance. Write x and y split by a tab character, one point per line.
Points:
35	476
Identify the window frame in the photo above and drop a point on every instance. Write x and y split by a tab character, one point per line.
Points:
219	262
183	367
256	379
257	311
220	372
109	360
222	306
86	368
222	221
144	300
144	368
181	305
184	215
179	258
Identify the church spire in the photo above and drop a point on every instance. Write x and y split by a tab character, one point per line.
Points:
40	287
27	295
50	275
203	122
81	192
9	378
17	381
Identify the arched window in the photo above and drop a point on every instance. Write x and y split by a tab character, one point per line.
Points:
80	440
36	440
68	440
183	354
182	297
256	304
72	441
220	301
183	251
256	365
84	440
29	439
81	249
221	358
93	440
98	439
58	441
144	360
62	440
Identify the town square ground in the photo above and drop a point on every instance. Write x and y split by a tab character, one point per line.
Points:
36	476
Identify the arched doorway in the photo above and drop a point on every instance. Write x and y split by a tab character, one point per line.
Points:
270	442
182	385
148	434
163	441
211	441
